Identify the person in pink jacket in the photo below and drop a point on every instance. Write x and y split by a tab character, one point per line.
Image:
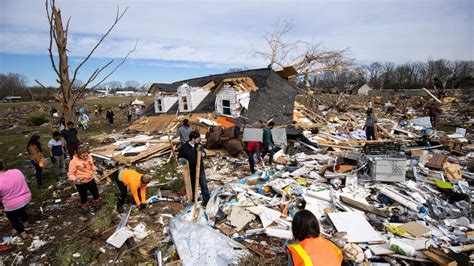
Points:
81	172
14	195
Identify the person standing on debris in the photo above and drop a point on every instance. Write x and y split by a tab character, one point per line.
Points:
189	152
81	172
312	248
57	153
370	125
62	122
136	184
433	112
129	114
183	132
268	145
110	116
15	196
71	138
251	149
37	159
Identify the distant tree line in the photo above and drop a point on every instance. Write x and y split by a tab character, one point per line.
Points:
437	75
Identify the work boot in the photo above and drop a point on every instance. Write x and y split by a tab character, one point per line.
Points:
96	203
120	209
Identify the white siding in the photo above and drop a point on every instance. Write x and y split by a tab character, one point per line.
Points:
184	91
197	95
169	101
229	94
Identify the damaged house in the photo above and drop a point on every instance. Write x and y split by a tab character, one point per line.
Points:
247	96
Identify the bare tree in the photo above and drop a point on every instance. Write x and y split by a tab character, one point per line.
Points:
58	33
131	85
306	57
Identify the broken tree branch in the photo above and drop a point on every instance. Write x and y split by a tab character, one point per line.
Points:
118	17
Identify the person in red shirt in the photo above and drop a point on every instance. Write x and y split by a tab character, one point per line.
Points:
312	249
433	112
252	148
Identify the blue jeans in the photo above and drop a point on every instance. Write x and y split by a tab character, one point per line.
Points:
38	173
251	157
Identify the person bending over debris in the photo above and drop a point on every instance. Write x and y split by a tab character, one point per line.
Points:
252	148
189	152
312	248
14	195
81	172
37	159
57	152
135	182
370	125
268	145
183	132
71	139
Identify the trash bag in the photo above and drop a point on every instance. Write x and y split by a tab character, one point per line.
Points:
234	147
213	137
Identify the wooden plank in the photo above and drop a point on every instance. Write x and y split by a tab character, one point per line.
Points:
187	182
438	258
362	206
128	160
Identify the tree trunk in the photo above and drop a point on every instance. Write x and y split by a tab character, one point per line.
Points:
61	42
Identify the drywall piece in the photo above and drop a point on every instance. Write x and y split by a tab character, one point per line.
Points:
415	229
119	237
267	215
279	232
239	218
300	171
422	121
253	134
357	228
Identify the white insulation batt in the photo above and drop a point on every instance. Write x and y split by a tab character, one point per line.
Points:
199	244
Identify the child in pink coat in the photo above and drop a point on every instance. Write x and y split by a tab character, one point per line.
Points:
14	195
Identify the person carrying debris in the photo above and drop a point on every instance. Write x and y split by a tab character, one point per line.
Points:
370	125
15	196
37	159
57	153
183	132
135	182
433	112
71	139
312	248
251	149
188	152
268	145
81	172
110	116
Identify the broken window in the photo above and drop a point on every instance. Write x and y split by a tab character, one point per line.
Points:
159	105
184	100
226	107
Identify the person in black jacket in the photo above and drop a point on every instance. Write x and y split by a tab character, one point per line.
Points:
188	152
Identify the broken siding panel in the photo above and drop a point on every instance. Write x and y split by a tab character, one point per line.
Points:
196	97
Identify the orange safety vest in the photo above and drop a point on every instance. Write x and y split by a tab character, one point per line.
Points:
315	251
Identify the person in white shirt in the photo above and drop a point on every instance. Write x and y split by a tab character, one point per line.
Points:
57	152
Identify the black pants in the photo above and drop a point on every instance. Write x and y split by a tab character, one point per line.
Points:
38	173
202	183
370	133
89	186
122	190
433	120
270	153
17	218
251	157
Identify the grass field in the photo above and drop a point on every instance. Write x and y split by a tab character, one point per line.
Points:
13	141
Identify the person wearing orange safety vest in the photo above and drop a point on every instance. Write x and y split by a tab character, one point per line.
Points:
312	248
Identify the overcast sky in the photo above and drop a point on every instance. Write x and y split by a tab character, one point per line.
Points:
184	39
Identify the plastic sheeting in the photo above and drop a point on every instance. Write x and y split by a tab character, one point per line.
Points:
199	244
